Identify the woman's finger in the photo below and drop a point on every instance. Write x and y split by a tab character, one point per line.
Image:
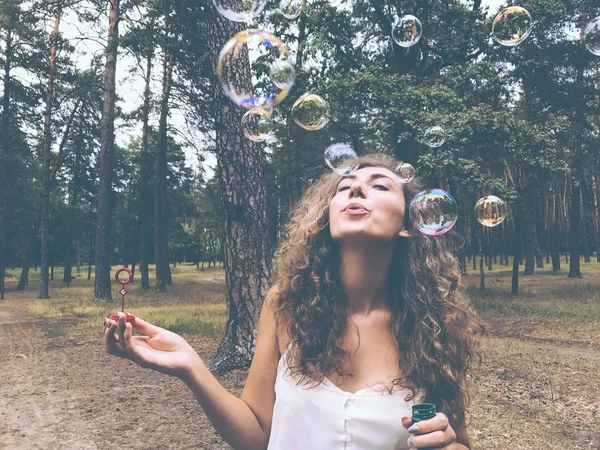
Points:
146	328
435	439
439	422
112	342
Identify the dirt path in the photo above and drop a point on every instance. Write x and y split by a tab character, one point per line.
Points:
60	395
57	394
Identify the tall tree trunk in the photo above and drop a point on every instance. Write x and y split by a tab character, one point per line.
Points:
4	149
145	176
102	286
244	204
161	238
595	191
27	257
574	269
517	245
73	205
529	217
45	216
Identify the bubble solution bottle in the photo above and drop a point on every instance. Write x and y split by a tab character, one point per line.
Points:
424	411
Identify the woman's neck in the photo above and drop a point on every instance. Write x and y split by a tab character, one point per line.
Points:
364	273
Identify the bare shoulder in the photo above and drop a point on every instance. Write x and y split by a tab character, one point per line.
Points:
281	326
259	391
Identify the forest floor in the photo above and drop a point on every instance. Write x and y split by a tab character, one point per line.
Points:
538	387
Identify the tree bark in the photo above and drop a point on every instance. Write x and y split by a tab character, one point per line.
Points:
73	206
161	220
102	286
517	244
243	201
145	176
45	206
529	217
574	269
4	147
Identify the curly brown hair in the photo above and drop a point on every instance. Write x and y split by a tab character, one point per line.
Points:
436	335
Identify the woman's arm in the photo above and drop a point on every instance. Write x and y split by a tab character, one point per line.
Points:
243	422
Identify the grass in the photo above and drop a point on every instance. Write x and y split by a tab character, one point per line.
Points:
558	306
193	305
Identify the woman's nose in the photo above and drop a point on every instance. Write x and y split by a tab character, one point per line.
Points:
357	189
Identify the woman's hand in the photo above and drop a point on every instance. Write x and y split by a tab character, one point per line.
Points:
159	350
433	433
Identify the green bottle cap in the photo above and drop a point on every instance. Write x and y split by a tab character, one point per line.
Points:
424	411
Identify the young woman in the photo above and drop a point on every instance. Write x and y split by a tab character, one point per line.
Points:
363	321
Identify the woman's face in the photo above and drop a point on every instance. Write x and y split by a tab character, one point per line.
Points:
369	203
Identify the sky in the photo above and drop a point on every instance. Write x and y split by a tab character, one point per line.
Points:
130	84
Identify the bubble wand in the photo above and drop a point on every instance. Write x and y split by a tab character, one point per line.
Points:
123	292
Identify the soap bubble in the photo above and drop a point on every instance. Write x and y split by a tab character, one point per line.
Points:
335	157
245	65
240	11
257	125
283	74
310	112
591	36
435	136
291	9
405	172
406	30
433	212
490	211
511	26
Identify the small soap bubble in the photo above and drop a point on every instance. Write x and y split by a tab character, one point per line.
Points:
291	9
336	156
435	136
257	125
245	67
240	11
406	30
490	211
310	112
283	74
591	36
405	172
511	26
433	212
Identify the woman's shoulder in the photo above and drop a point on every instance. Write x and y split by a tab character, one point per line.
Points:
281	331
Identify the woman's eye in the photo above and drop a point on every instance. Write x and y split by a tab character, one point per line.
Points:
381	186
343	188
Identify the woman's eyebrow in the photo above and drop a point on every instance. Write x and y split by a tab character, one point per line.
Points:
373	176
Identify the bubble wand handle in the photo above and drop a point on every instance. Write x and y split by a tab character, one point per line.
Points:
123	292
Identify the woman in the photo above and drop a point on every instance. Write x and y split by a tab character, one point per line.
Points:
363	321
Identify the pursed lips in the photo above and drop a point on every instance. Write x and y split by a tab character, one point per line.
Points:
355	207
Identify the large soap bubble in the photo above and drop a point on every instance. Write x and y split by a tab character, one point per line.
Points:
336	156
435	136
490	211
246	65
311	112
511	26
591	36
406	30
240	10
291	9
283	74
433	212
257	125
405	172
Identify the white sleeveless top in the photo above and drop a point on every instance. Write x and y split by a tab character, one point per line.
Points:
327	418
